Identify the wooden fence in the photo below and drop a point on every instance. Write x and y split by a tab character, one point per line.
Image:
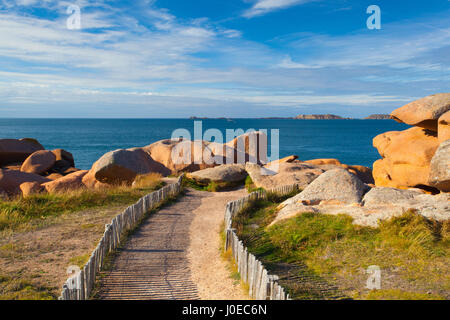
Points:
80	285
262	286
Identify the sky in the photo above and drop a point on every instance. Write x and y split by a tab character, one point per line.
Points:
219	58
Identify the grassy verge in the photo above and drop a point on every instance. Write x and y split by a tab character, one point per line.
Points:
321	252
227	256
22	289
20	214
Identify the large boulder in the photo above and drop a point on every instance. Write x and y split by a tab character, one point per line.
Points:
424	112
16	151
227	174
287	173
406	157
10	180
180	155
440	167
381	195
39	162
444	127
337	185
122	166
70	182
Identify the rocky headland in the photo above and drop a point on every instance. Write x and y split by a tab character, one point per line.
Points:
413	172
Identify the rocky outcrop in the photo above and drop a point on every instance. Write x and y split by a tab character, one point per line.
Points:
378	204
16	151
379	196
227	174
122	166
424	112
444	127
363	173
70	182
10	180
39	162
440	168
179	155
337	185
287	159
288	173
406	157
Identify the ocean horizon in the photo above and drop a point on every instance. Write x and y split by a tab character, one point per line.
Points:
349	140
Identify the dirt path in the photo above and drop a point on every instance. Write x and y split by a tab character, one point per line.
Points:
175	254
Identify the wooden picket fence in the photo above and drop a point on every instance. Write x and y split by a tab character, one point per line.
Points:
80	285
262	286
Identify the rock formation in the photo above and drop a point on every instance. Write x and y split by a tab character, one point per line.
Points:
406	155
225	175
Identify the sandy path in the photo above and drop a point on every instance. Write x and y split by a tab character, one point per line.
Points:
209	270
175	254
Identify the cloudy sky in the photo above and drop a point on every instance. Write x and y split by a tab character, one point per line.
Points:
233	58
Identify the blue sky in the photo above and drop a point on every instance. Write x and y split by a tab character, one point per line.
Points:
234	58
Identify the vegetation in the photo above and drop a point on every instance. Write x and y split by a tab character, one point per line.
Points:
414	250
21	289
210	187
250	186
16	214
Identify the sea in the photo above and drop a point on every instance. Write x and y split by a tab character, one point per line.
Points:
350	141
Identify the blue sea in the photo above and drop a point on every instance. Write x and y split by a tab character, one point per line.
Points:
350	141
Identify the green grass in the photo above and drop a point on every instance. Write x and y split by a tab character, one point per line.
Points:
250	186
395	294
80	261
17	213
331	246
21	289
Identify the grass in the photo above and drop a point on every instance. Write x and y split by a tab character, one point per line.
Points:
250	186
413	248
147	181
227	256
16	214
80	261
21	289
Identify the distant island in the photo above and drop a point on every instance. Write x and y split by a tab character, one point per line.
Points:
378	117
308	117
319	117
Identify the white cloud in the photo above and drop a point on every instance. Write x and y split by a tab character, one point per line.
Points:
262	7
162	60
